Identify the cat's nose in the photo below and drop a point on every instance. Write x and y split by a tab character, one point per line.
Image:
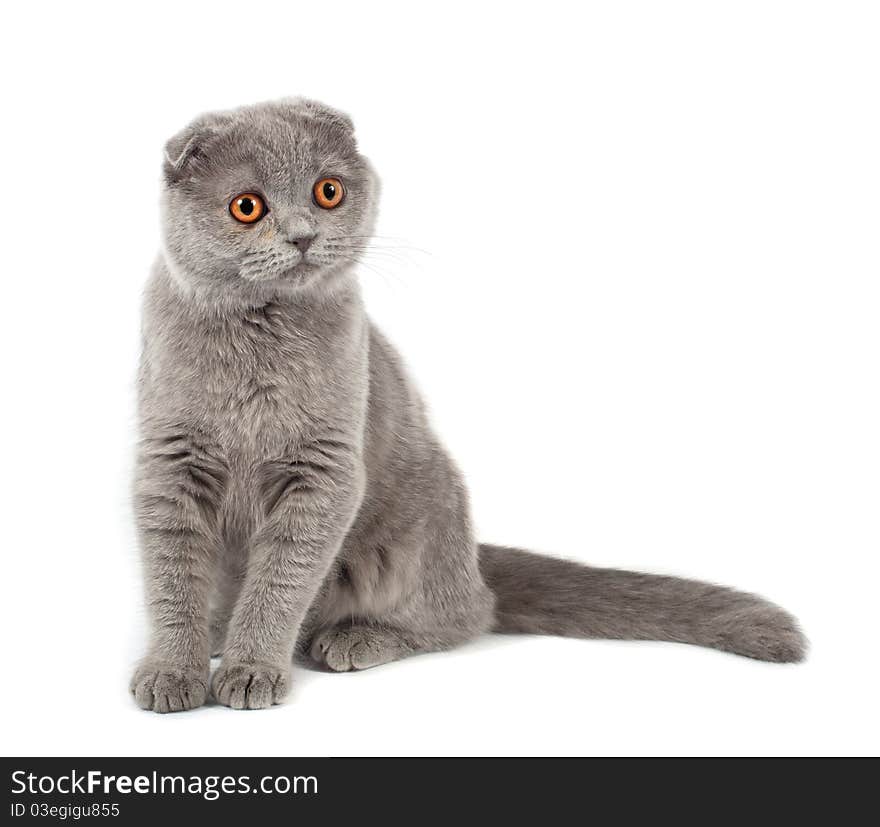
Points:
301	241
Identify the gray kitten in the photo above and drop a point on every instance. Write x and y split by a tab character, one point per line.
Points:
290	493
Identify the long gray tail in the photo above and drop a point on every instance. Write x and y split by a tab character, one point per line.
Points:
545	595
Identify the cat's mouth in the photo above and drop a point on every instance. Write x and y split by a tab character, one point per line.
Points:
284	272
295	271
272	268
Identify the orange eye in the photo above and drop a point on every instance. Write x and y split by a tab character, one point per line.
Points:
328	193
247	208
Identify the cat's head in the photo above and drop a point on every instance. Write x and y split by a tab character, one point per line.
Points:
271	197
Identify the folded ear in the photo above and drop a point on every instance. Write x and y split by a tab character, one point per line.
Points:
295	108
185	150
323	112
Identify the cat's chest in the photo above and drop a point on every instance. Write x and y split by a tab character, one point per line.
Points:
256	382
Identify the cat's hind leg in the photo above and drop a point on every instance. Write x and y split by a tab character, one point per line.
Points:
362	643
406	588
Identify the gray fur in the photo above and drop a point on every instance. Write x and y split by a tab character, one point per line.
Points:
289	490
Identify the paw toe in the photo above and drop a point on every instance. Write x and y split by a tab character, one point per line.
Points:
249	686
343	650
167	688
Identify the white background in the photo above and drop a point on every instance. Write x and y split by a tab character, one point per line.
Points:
635	273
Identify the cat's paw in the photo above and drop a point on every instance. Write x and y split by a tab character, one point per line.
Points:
165	687
250	685
355	647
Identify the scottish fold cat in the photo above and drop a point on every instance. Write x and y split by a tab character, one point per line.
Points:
290	493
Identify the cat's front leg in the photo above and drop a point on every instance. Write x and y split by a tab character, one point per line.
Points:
178	491
309	500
